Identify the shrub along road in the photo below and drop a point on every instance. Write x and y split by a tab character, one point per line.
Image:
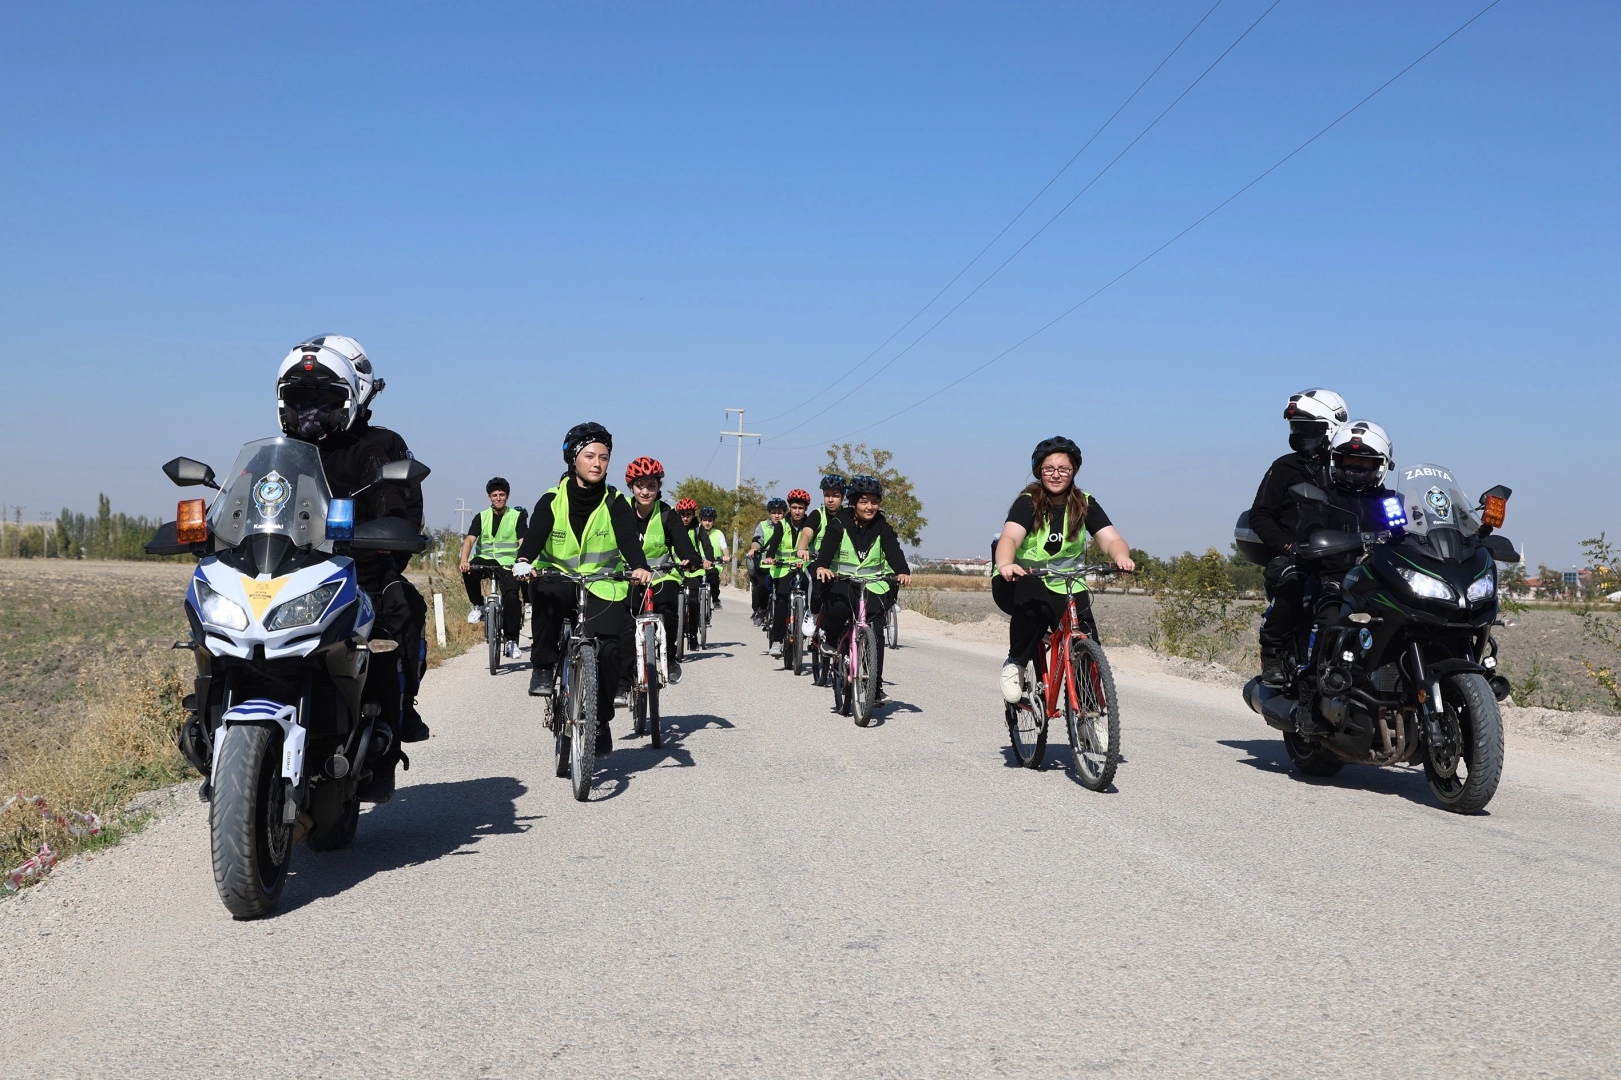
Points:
780	893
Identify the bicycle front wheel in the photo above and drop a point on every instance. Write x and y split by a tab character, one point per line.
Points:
864	683
650	674
583	722
678	647
1027	724
793	645
703	622
492	631
892	626
1094	727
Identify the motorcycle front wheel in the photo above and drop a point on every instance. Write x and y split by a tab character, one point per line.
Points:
1310	759
251	846
1466	785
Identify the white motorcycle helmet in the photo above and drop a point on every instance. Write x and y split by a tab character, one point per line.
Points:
1360	456
1314	417
324	387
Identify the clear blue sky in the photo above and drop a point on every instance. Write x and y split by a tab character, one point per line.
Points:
640	214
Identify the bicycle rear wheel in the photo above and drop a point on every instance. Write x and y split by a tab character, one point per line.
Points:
678	647
1027	724
839	676
864	684
557	706
492	630
650	673
1094	728
583	728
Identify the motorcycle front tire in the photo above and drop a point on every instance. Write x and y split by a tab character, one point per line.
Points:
251	846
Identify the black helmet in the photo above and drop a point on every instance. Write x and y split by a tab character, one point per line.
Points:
581	435
777	504
1058	444
865	485
497	483
833	482
707	514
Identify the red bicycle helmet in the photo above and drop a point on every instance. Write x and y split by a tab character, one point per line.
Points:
643	466
686	504
799	495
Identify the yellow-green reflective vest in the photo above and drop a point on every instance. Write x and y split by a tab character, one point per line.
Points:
824	516
1032	552
870	570
501	544
593	553
717	541
656	546
787	547
693	535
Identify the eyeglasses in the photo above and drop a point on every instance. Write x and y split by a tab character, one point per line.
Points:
1050	470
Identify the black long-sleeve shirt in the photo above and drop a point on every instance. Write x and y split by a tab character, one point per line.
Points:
1275	512
862	537
582	502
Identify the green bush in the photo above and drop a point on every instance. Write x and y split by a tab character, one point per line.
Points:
1195	609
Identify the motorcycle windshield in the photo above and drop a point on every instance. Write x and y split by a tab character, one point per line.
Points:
1434	500
276	487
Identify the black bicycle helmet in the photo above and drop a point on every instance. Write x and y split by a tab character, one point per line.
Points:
581	435
497	483
865	485
777	504
1058	444
833	482
707	513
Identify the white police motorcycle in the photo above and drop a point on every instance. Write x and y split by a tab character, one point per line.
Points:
293	694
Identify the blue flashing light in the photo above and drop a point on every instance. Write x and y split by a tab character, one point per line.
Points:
340	519
1395	516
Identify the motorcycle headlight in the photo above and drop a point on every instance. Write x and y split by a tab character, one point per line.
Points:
303	610
218	610
1483	589
1430	588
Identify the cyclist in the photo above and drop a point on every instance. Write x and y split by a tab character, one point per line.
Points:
860	540
665	543
781	544
718	548
586	526
760	576
496	531
816	522
1048	526
692	575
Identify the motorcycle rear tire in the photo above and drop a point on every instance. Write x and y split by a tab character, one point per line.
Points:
1310	760
1481	723
336	817
251	846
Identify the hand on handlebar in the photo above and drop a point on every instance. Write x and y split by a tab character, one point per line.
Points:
824	573
641	577
768	562
903	579
1124	562
467	567
1012	570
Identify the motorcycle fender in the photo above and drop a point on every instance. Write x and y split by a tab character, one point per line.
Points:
1441	669
263	710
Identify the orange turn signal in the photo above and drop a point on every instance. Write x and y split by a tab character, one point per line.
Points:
189	525
1496	507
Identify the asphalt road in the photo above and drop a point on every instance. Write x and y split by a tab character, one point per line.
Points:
780	893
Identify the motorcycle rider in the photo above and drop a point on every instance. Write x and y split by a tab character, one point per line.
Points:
584	524
860	540
324	390
1314	416
665	544
497	531
1359	458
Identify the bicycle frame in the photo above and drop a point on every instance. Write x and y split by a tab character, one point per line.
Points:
646	617
1059	642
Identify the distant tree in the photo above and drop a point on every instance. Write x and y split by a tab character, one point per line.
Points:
1550	583
742	509
901	506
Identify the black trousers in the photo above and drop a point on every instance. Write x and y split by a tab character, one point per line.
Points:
783	587
1035	609
1286	584
608	621
713	574
694	586
761	580
511	596
839	609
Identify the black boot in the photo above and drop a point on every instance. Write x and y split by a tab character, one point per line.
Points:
412	729
1274	669
380	788
605	741
541	680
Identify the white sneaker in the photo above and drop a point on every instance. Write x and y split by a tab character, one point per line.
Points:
512	648
1012	683
808	627
475	616
776	649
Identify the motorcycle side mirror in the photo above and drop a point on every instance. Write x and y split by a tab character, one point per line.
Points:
188	473
1498	492
1308	493
1502	549
409	470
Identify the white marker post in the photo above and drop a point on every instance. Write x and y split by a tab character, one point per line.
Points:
439	617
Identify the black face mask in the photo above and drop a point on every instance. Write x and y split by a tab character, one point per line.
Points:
1306	444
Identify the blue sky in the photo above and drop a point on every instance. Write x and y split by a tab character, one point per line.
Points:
536	214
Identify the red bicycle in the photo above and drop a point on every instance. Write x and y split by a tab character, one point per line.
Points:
1070	677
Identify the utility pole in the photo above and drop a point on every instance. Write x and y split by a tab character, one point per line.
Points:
461	512
737	505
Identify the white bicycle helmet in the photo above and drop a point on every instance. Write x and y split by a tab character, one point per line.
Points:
324	386
1360	456
1314	416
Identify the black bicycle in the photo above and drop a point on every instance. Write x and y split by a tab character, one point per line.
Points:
490	584
571	711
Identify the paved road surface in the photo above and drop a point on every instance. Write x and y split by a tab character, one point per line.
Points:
779	893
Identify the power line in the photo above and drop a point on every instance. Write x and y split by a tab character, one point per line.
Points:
1061	210
969	265
1209	214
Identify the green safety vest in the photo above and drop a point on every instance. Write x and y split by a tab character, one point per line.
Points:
502	544
872	565
716	545
787	547
697	545
1032	552
656	546
593	553
821	530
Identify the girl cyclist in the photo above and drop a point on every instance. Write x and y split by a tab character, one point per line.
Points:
1047	527
860	540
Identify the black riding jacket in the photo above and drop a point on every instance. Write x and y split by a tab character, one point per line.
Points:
1275	513
351	460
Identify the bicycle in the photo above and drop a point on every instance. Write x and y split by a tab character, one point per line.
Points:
571	711
892	626
490	582
853	665
1070	677
793	642
705	612
652	670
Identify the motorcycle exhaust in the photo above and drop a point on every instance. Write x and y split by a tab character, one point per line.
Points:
1276	709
